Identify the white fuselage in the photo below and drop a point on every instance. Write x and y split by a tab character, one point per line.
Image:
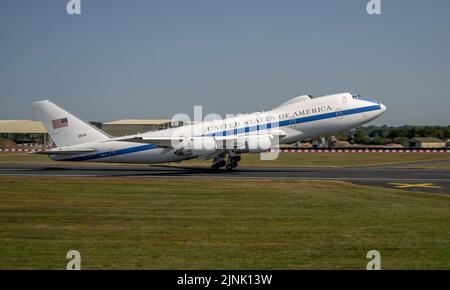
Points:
300	118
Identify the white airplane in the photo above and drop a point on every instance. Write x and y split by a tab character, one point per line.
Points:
223	141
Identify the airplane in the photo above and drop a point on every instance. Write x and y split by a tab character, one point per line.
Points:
223	141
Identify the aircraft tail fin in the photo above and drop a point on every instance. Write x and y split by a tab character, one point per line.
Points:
64	128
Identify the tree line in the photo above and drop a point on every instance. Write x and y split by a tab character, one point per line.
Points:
375	135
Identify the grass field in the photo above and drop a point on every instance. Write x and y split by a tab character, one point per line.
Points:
168	223
284	159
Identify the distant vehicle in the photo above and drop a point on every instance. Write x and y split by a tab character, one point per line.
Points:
303	117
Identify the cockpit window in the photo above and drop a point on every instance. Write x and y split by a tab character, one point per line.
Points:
356	97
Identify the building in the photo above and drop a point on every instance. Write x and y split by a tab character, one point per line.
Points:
33	132
134	126
447	143
426	143
24	131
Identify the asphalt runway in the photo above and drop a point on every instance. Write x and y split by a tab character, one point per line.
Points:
420	180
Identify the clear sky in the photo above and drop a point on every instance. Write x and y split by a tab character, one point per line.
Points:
153	59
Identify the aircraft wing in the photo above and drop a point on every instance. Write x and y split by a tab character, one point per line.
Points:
163	142
167	142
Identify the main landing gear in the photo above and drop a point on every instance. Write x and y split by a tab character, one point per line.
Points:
233	160
217	163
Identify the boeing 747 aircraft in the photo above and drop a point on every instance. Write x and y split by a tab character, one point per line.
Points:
223	141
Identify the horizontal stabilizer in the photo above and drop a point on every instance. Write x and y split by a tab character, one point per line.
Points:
63	152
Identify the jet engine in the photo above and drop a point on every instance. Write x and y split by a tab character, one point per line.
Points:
198	146
255	144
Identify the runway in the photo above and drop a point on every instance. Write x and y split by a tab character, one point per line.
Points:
420	180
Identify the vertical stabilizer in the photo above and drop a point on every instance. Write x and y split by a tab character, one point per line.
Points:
64	128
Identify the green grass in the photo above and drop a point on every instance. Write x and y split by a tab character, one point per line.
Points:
169	223
284	159
36	159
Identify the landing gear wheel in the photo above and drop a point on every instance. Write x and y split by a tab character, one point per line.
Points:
214	168
233	161
229	167
218	163
351	139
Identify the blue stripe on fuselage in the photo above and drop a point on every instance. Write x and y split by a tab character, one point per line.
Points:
297	121
113	153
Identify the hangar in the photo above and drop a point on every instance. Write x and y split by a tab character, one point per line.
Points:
33	132
24	131
134	126
426	143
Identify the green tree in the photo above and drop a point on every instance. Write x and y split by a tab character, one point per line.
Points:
361	136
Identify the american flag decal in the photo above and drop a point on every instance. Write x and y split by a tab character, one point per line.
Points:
60	123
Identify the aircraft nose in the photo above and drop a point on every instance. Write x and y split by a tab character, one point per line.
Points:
383	107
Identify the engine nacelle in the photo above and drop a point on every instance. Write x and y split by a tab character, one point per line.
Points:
255	144
198	146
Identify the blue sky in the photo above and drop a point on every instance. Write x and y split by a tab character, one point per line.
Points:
152	59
